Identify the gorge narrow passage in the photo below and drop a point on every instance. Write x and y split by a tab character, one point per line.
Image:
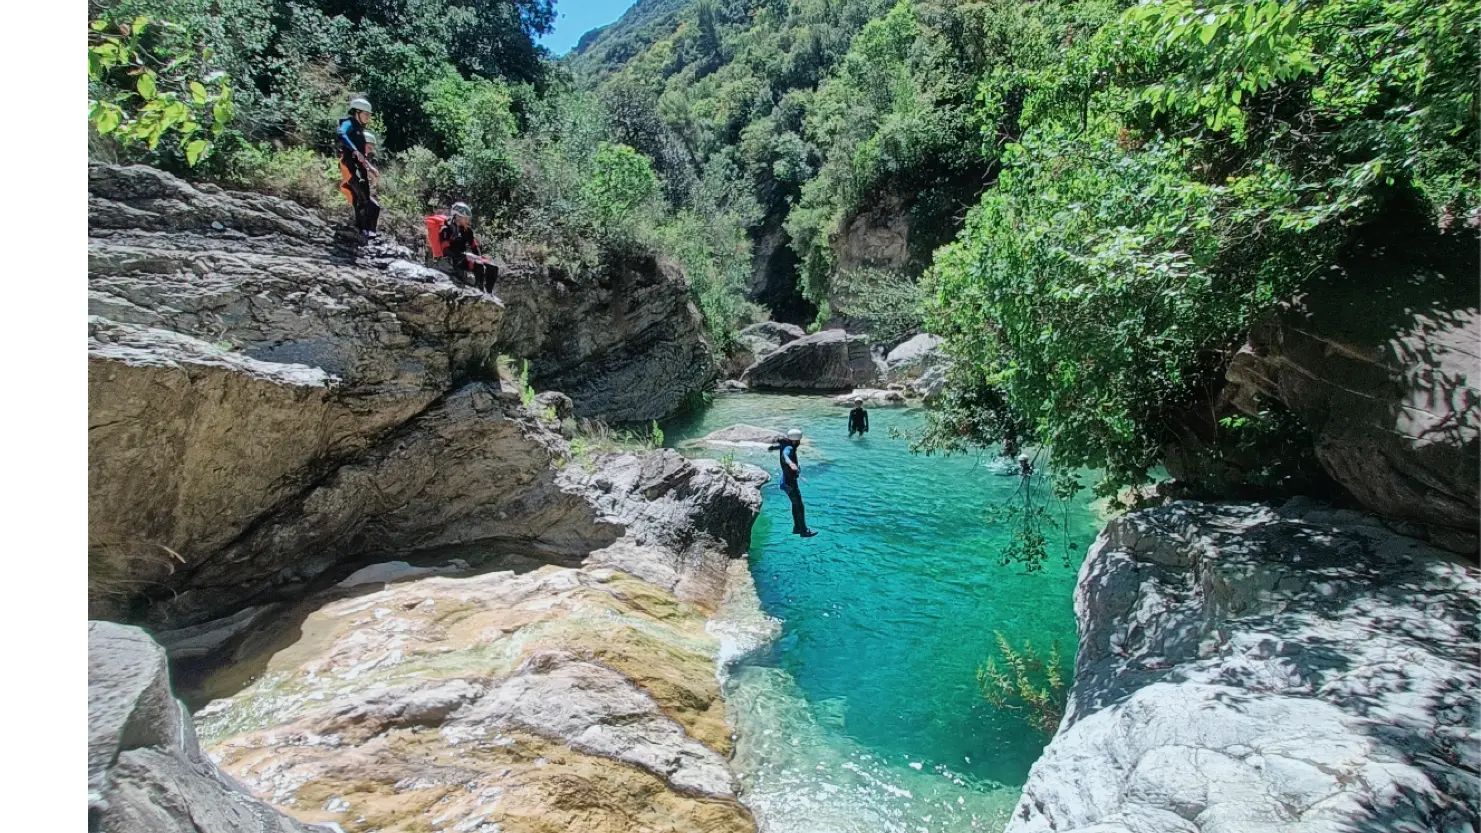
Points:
864	713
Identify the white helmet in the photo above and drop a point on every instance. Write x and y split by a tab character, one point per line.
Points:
795	434
462	209
360	103
1023	458
858	400
369	138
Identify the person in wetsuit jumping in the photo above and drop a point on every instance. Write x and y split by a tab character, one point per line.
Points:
791	474
858	419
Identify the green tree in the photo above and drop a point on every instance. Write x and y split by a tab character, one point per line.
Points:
622	180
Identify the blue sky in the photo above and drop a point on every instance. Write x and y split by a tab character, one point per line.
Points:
574	18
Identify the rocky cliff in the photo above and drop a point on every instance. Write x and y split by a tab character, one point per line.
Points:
627	344
268	401
1249	669
511	695
1378	360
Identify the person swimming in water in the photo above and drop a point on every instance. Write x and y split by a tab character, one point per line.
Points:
791	474
858	419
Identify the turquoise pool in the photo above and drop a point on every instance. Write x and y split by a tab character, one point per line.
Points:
864	713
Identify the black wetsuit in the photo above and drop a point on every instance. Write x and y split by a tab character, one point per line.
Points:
462	251
858	422
788	454
356	179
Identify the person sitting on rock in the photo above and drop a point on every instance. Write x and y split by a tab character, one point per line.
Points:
858	419
356	170
791	474
461	249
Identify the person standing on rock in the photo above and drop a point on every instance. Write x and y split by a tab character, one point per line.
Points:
462	250
791	474
356	170
858	420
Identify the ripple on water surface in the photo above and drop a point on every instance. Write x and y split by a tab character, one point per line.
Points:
863	713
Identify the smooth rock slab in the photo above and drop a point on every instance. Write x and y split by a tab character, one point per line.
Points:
1246	670
873	398
558	699
827	361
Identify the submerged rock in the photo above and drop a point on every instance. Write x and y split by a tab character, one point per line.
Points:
827	361
145	769
1248	669
738	436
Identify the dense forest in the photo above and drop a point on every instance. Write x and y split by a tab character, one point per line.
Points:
1090	200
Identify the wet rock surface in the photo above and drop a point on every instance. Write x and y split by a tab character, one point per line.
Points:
1251	669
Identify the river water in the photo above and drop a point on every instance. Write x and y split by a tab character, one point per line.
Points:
864	714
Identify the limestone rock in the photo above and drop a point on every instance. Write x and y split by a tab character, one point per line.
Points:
627	343
738	436
555	401
914	356
873	398
238	352
473	467
930	384
146	772
771	335
561	698
732	386
1253	670
695	512
268	401
825	361
1379	361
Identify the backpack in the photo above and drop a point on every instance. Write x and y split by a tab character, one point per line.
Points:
435	224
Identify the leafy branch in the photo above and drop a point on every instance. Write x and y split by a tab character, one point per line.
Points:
142	89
